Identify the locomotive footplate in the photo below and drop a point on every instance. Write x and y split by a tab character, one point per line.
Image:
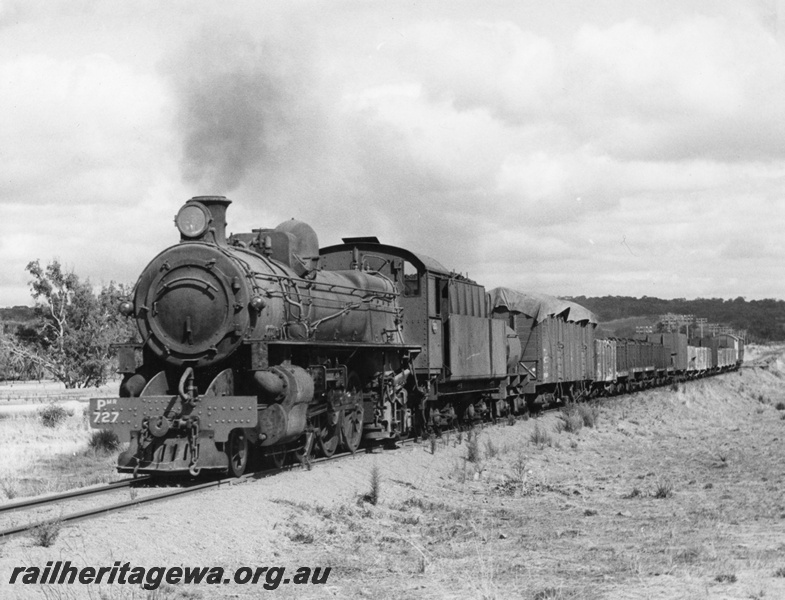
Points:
167	434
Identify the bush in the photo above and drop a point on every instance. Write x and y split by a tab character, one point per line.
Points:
104	440
780	406
635	493
589	413
540	437
472	447
10	488
372	496
570	420
490	448
45	534
663	490
53	414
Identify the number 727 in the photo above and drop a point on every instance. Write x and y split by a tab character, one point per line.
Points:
105	416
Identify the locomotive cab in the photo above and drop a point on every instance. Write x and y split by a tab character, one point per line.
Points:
464	352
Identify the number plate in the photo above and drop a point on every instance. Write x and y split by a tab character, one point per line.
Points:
219	414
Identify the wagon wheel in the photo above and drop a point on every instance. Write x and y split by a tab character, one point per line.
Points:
351	418
237	451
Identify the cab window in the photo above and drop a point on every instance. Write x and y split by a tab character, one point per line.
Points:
411	280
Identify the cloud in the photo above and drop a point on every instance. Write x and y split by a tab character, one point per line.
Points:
588	155
88	123
702	87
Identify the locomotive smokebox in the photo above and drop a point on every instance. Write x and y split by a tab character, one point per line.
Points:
203	218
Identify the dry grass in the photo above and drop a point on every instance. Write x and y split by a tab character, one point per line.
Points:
472	446
638	510
104	440
570	419
38	459
46	533
374	487
539	436
53	414
540	520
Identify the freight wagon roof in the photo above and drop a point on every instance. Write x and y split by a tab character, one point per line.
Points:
540	306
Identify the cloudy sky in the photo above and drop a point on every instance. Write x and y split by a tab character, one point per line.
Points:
605	147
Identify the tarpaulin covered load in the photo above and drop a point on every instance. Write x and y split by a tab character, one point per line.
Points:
539	306
557	336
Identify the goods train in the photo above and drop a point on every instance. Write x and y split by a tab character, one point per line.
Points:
260	345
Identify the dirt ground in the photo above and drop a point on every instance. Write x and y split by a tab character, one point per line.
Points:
673	494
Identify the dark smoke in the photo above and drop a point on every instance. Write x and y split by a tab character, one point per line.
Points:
238	108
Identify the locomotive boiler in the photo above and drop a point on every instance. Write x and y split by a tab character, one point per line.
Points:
247	349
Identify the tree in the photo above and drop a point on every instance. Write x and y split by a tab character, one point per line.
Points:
75	327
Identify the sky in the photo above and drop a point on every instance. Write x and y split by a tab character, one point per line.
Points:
612	147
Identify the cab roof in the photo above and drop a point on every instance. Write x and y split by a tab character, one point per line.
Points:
372	244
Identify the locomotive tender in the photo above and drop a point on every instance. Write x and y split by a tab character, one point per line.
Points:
259	344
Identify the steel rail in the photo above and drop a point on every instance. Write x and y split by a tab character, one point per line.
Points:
94	512
39	500
196	487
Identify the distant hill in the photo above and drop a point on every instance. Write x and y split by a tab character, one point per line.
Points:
12	318
764	320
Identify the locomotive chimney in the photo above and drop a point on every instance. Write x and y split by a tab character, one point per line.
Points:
202	215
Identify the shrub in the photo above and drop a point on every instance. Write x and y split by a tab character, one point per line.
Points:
53	414
589	413
104	440
570	421
519	467
540	437
635	493
10	488
490	448
549	594
372	497
300	535
472	447
780	406
45	534
780	572
664	490
725	578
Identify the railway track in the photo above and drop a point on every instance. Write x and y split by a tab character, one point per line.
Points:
79	493
96	511
189	488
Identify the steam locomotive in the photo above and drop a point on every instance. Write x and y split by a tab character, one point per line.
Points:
260	345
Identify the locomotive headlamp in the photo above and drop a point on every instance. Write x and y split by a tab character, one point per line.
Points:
257	303
192	220
126	308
